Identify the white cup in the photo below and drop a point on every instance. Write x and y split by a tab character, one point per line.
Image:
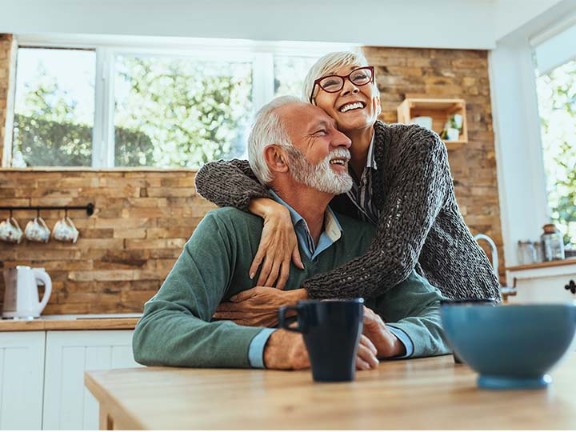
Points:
10	231
65	230
452	134
37	230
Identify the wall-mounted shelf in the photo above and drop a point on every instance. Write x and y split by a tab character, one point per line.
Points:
440	110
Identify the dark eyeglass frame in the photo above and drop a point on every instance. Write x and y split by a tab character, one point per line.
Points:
344	78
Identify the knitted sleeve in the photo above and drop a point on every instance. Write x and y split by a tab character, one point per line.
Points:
229	183
418	190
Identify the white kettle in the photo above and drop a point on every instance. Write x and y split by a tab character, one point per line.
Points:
21	299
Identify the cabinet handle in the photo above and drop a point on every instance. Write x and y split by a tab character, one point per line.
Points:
571	287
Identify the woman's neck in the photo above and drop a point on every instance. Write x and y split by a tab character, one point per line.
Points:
361	139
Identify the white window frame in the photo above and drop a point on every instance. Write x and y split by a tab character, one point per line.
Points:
260	54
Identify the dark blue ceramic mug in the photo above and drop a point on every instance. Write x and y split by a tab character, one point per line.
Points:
331	331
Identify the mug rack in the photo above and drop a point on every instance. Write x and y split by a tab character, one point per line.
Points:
88	207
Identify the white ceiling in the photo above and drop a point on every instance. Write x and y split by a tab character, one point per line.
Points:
475	24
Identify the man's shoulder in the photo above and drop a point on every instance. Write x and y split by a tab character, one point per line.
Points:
229	213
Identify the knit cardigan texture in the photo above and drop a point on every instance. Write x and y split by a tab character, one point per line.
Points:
419	224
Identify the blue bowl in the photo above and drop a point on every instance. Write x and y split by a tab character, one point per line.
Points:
511	347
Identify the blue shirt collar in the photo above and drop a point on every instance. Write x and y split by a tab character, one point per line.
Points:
332	230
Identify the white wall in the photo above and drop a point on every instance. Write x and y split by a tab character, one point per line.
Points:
408	23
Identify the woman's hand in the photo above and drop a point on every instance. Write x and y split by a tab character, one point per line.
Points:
258	307
386	343
278	244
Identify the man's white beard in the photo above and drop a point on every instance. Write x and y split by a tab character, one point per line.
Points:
320	176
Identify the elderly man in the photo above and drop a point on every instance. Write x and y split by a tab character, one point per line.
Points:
297	151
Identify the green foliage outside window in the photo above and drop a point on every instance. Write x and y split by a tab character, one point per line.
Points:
193	112
557	96
169	112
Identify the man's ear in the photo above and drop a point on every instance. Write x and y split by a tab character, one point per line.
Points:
276	158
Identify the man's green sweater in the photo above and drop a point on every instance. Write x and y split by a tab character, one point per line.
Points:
176	328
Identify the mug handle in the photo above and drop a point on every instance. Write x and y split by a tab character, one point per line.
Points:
14	223
42	222
282	323
70	223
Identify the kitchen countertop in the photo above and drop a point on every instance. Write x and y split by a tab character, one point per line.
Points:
546	264
72	322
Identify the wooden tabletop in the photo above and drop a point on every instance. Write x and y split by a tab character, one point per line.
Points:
429	393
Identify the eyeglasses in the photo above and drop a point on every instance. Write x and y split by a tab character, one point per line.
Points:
334	83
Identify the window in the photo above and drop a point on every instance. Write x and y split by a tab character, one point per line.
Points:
99	105
54	107
556	87
175	112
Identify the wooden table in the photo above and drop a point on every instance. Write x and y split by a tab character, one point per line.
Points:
429	393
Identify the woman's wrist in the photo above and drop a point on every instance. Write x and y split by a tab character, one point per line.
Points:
266	207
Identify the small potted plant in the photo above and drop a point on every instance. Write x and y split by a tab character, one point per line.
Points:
452	128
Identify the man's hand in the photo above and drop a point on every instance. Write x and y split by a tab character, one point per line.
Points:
366	357
286	350
386	343
258	307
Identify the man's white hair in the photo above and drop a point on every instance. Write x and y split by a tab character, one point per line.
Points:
328	65
268	129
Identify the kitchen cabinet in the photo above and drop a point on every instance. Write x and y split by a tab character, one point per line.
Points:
553	281
439	110
42	375
21	379
67	403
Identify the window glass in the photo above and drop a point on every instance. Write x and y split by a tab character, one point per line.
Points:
54	107
557	105
138	106
179	112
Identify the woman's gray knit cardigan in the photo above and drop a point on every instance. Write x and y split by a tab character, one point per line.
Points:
419	220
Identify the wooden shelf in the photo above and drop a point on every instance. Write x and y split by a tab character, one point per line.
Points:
440	111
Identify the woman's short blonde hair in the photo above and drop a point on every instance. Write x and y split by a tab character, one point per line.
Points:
329	64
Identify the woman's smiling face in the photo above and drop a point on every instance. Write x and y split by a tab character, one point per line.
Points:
353	107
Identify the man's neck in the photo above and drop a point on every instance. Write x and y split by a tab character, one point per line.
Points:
309	203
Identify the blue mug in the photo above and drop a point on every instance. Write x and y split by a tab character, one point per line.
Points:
331	331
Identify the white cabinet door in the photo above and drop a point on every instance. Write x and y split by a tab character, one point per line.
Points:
543	285
67	403
21	379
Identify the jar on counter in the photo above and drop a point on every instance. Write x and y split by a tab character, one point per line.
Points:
526	252
552	243
538	251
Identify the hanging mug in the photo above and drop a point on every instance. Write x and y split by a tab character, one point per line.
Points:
37	230
65	230
10	231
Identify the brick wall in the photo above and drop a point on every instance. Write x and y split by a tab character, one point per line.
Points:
126	248
143	217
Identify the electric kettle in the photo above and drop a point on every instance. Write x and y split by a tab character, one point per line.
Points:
21	299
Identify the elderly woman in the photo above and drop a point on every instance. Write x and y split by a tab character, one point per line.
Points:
402	184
